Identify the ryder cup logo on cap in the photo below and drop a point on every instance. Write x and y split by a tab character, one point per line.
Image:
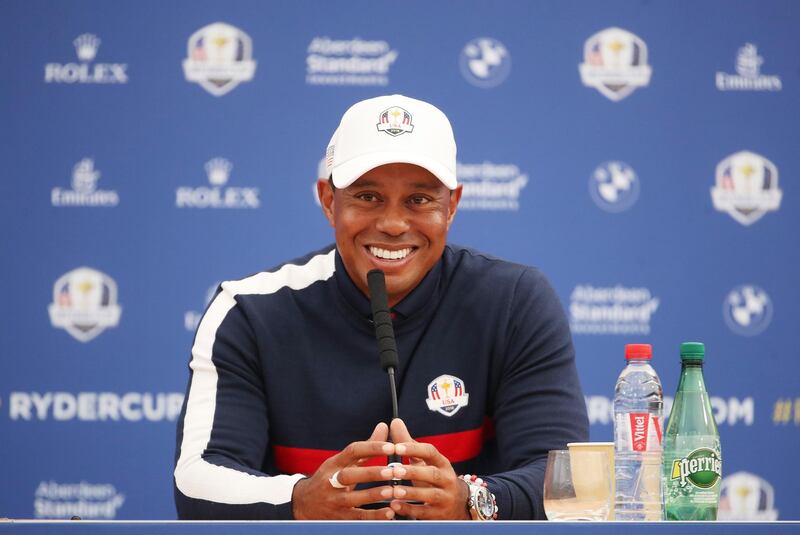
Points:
391	129
746	187
615	63
84	303
485	62
447	394
220	58
614	186
747	310
745	496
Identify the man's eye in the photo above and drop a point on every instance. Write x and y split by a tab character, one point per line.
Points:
369	197
420	200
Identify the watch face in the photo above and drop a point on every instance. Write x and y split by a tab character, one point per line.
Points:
483	503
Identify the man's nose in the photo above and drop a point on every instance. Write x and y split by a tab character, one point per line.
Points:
393	220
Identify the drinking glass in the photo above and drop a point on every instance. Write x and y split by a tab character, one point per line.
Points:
577	485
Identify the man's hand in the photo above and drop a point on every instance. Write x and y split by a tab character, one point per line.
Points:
316	499
443	494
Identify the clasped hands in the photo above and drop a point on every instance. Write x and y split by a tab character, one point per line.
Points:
440	494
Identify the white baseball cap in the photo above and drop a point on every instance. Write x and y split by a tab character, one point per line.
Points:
391	129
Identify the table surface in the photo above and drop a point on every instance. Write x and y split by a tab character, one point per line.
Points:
57	527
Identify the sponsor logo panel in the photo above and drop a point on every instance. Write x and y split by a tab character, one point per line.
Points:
485	62
611	310
615	63
614	186
349	62
219	58
748	75
746	187
89	501
85	71
747	310
84	192
84	303
490	186
217	195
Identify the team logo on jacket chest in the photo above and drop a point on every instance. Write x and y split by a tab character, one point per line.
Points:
447	394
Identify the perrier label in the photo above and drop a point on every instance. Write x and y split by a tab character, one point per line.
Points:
702	468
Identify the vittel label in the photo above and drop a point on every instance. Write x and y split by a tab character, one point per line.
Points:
641	431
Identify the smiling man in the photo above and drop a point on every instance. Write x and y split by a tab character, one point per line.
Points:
285	408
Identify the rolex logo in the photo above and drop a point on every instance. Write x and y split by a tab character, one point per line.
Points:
86	46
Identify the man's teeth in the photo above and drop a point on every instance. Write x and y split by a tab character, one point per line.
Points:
389	255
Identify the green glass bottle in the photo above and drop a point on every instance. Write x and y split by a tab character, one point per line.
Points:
692	457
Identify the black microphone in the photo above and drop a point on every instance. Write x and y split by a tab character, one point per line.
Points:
384	334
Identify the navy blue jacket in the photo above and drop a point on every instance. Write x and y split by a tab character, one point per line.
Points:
285	373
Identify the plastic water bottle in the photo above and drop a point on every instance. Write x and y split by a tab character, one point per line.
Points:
638	407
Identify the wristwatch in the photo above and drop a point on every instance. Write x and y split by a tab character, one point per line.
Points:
481	503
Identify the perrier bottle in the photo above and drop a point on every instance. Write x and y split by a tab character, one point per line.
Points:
692	457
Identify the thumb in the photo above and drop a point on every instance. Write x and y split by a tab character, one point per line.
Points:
400	432
380	433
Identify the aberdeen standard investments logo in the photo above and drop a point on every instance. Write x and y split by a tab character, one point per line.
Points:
615	63
747	310
485	62
611	310
84	303
614	186
84	190
217	196
351	62
89	501
490	186
219	58
746	187
85	71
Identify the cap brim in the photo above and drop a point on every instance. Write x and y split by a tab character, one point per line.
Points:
348	172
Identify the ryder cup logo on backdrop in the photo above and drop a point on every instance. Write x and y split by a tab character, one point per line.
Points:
614	186
746	187
89	501
95	406
353	62
220	58
447	394
84	303
485	62
86	72
745	496
748	75
490	186
747	310
217	196
611	310
615	63
84	190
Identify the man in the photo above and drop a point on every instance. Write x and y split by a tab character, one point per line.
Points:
286	381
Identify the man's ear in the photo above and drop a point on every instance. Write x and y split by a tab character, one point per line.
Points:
325	194
455	197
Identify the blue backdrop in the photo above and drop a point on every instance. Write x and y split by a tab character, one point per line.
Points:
643	154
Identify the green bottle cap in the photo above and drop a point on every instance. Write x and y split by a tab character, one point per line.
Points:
693	351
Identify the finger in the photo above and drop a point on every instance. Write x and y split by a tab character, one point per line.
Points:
422	474
427	495
380	433
364	474
384	513
399	432
423	451
360	450
417	512
358	498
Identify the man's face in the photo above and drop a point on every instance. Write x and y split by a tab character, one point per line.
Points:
394	218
